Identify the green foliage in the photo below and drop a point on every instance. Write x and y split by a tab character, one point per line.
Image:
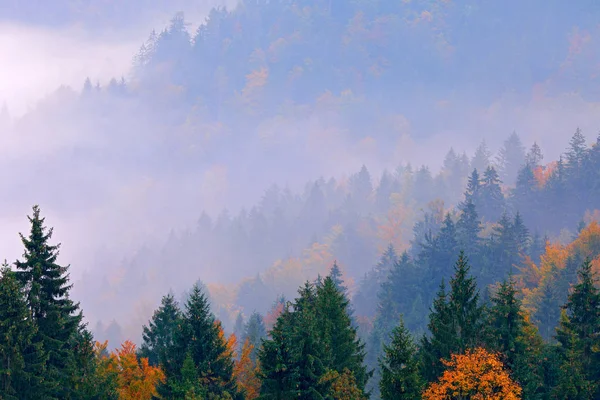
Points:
400	369
159	336
455	322
22	360
579	338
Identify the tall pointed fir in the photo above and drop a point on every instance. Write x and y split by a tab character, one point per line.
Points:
400	370
516	338
254	333
21	358
200	342
158	337
579	336
344	350
456	321
58	318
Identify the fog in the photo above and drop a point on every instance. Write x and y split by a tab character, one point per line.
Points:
114	176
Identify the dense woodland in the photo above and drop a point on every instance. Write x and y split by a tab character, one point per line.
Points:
474	281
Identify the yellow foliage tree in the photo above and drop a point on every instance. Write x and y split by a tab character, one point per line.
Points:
245	373
476	375
136	379
343	386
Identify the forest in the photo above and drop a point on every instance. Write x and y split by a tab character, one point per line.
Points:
472	309
310	199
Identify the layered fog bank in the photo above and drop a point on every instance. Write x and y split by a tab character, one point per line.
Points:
134	154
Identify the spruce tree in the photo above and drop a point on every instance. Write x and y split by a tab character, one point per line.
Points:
579	329
199	338
279	373
344	350
439	343
492	199
58	318
456	321
468	229
21	358
255	332
400	370
518	340
159	335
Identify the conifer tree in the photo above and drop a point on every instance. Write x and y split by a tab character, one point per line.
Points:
254	333
21	358
481	158
279	373
579	336
518	340
492	199
159	335
438	345
199	339
456	321
511	158
58	318
343	348
468	229
400	370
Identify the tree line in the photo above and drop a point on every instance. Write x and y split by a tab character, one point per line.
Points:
308	348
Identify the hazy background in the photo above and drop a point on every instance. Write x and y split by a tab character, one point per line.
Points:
118	169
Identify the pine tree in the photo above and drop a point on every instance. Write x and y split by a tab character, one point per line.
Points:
254	333
481	159
534	156
579	329
438	345
200	339
279	373
336	275
576	153
159	336
58	318
21	358
456	321
468	229
511	158
518	340
343	348
492	199
400	370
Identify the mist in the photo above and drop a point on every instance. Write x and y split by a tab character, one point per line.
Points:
119	169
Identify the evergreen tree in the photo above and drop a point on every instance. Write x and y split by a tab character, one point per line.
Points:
21	358
579	334
576	153
472	193
158	338
279	373
199	339
336	275
438	345
57	317
534	156
511	158
254	333
481	159
400	370
517	339
456	321
468	229
334	326
492	199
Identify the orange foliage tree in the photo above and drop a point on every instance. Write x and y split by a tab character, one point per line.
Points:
245	373
136	379
475	375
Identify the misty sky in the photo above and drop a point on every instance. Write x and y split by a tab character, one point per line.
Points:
102	199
